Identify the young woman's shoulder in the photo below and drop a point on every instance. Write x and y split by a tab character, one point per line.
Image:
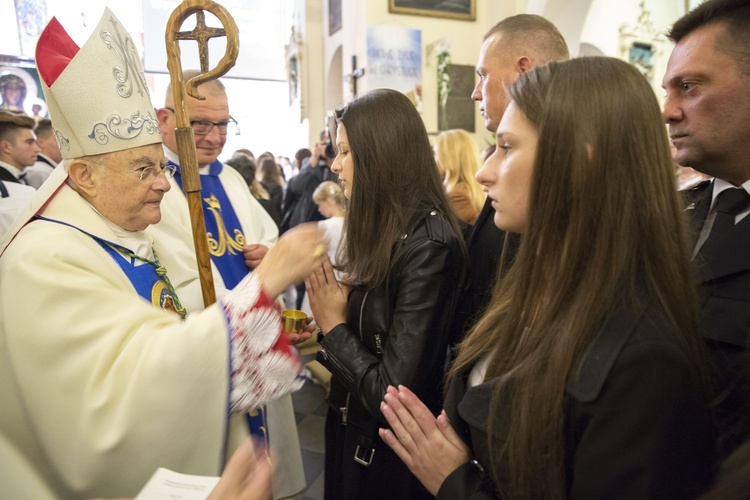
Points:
434	227
636	336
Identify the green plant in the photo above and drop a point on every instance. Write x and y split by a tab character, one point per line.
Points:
444	78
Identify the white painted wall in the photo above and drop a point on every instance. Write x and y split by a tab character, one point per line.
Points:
266	120
465	37
605	18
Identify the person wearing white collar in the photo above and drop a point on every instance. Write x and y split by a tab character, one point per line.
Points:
102	377
242	232
18	147
14	198
49	156
706	106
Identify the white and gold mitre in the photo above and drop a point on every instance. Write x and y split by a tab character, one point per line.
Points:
97	95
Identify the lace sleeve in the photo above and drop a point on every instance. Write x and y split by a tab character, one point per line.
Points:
264	366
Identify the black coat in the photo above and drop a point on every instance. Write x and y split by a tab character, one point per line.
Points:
485	245
276	193
635	425
723	268
298	206
6	176
395	334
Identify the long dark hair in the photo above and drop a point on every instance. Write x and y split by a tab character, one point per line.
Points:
604	219
270	172
395	182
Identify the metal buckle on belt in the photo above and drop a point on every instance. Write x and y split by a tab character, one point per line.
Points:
366	461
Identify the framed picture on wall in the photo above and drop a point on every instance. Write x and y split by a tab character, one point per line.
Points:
334	16
20	87
640	55
451	9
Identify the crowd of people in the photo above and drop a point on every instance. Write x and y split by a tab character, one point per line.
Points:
557	322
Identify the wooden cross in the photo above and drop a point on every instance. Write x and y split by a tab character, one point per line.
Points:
201	34
352	77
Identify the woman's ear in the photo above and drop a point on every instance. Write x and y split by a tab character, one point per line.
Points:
81	172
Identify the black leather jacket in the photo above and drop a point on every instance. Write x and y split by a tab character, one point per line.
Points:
398	333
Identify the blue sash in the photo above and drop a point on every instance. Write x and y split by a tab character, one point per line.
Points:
225	242
146	282
223	229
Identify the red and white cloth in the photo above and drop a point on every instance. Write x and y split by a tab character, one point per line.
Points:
264	365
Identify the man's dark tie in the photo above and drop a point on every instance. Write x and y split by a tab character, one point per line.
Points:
730	203
22	179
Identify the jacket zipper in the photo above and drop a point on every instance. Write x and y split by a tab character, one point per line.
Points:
345	409
361	313
335	363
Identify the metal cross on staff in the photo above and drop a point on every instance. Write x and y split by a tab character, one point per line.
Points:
191	181
201	34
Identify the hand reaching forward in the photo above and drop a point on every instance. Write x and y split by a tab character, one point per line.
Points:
292	259
328	298
247	476
429	446
298	338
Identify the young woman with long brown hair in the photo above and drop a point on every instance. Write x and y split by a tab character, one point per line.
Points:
405	265
583	378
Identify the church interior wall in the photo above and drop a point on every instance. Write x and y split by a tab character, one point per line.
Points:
326	58
465	42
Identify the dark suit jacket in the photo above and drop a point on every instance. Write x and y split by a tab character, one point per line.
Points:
298	205
635	423
723	268
485	245
6	176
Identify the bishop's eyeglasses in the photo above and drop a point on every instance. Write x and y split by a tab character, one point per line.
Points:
204	127
149	174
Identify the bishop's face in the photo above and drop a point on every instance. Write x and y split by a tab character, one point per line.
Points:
122	196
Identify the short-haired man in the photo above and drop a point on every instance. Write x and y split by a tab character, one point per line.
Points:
18	147
238	225
511	47
240	232
101	380
707	106
49	156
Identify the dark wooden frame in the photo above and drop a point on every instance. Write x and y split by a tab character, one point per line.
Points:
423	8
334	16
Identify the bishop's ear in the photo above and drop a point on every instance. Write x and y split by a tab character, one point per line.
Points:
82	172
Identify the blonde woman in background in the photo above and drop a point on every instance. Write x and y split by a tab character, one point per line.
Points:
331	202
458	162
332	205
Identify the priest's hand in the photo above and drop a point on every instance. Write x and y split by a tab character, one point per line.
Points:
292	259
429	446
298	338
254	254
